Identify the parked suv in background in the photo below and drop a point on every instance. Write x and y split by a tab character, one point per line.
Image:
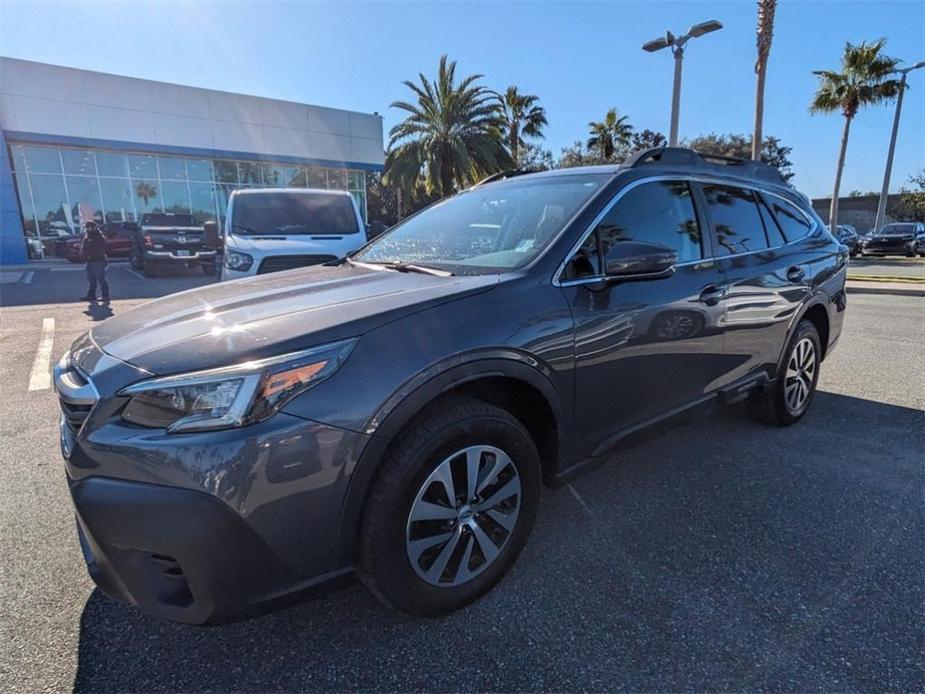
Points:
848	236
899	238
397	413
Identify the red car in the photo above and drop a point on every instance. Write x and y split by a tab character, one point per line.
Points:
118	237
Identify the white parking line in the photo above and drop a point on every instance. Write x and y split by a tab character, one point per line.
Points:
41	367
27	278
137	274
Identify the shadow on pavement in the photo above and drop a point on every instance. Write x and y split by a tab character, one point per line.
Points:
98	311
723	554
68	285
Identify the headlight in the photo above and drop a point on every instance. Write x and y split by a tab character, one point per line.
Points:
238	261
231	396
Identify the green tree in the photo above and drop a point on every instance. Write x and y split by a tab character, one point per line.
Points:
523	116
764	34
648	139
534	158
864	80
911	204
451	136
736	146
610	135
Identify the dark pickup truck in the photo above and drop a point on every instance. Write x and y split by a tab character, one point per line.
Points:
166	239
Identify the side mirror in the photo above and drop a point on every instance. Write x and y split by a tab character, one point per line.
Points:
629	260
212	238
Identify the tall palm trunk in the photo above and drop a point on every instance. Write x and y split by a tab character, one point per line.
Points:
515	141
758	135
765	34
833	207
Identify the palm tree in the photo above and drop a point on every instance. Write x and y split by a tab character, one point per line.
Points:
765	33
609	134
861	82
145	191
451	137
522	116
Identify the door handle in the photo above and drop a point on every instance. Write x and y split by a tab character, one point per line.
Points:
795	274
712	294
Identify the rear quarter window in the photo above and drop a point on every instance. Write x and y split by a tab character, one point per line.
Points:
793	223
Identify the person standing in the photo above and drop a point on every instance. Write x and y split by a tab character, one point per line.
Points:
94	252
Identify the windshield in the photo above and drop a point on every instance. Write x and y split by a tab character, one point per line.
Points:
315	214
496	227
898	229
168	220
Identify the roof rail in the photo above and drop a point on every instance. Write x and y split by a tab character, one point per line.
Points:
502	175
709	162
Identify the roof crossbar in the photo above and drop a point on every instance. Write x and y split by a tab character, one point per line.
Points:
707	162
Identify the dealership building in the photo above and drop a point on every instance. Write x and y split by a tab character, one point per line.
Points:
79	145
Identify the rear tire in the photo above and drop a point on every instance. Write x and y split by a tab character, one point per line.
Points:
786	401
424	553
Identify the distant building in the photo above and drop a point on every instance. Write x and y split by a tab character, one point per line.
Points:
79	145
859	211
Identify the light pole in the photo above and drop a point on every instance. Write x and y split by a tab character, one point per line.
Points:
885	191
677	48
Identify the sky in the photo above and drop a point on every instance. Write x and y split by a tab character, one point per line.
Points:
579	58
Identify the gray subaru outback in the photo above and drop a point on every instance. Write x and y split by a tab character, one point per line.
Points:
395	414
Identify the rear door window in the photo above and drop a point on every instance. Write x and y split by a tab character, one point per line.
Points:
793	223
736	219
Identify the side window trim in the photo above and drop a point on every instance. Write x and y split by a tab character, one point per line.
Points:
700	210
706	248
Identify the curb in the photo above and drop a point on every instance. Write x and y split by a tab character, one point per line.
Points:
884	288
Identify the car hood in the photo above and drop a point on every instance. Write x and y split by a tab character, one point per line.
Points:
272	314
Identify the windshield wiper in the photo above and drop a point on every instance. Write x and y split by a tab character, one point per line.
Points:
245	229
399	266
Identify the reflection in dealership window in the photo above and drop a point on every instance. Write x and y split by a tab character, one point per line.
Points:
661	213
85	201
117	199
226	171
175	196
79	162
199	169
171	168
42	159
202	197
146	196
142	167
250	173
110	164
50	201
736	219
337	179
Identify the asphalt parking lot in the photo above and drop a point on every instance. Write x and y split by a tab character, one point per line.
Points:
721	555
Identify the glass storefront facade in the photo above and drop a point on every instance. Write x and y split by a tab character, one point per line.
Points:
60	188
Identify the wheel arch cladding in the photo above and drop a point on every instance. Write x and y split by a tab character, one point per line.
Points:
819	317
522	390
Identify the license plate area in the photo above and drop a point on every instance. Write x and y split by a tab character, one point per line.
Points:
183	253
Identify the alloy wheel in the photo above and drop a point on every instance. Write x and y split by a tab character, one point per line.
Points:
463	515
801	372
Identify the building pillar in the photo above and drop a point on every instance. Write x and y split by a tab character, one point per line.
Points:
12	241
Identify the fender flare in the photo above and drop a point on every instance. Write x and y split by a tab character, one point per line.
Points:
819	298
413	396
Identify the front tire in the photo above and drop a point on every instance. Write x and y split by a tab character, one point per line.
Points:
787	400
450	509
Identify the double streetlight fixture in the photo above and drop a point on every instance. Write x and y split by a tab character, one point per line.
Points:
676	43
884	192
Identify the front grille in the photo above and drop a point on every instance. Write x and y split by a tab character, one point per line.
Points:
288	262
74	415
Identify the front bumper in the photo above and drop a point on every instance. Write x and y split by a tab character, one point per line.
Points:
179	554
174	257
